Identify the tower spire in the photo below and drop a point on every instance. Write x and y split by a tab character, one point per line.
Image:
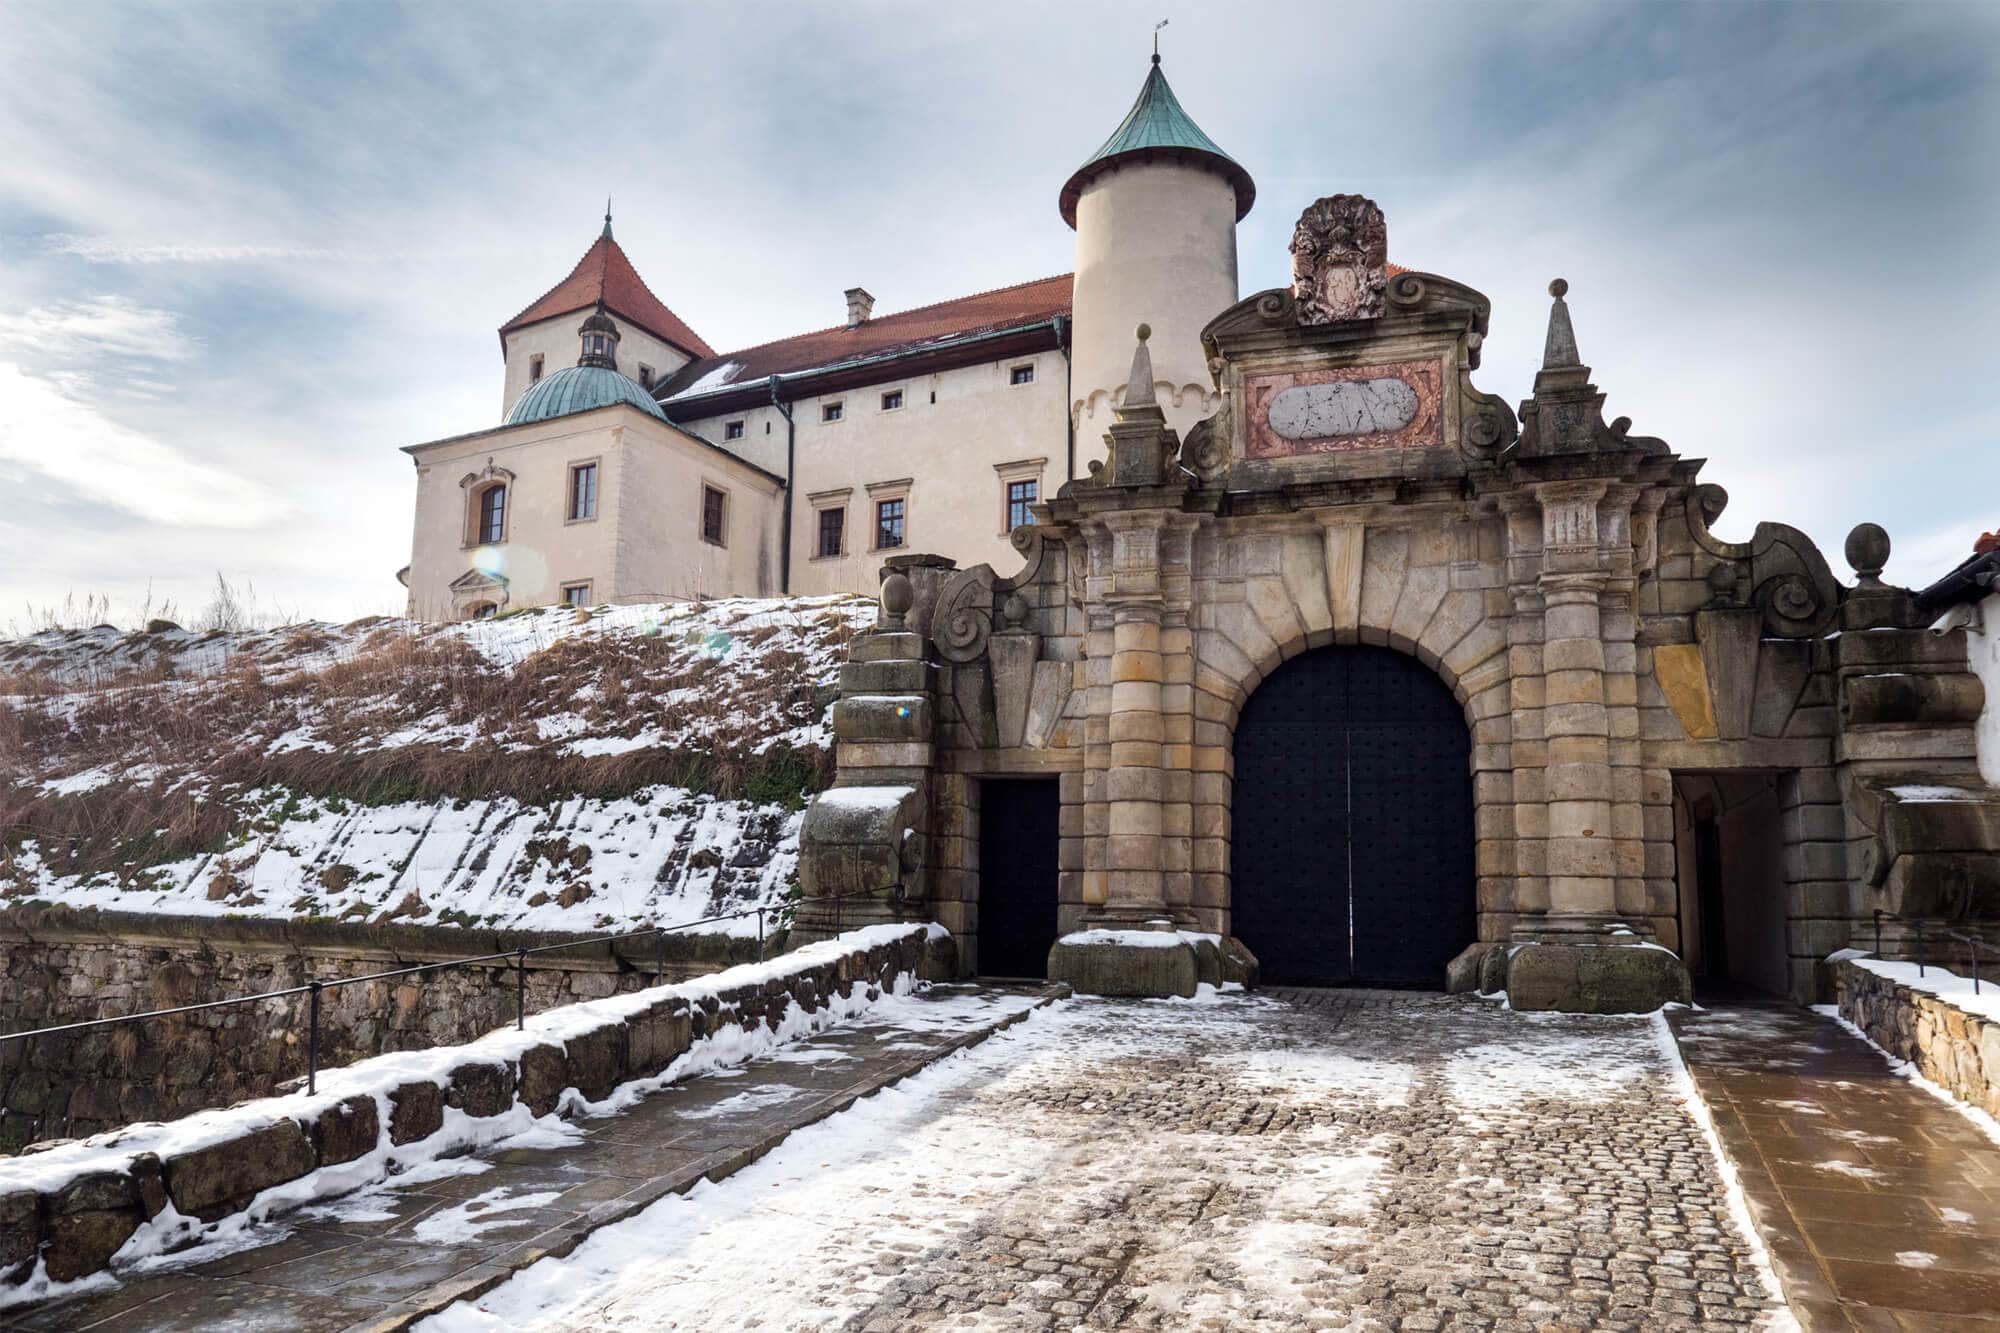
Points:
1156	39
607	217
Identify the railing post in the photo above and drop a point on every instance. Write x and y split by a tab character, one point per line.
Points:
312	1039
760	934
837	926
659	956
1922	947
521	988
1973	942
1878	932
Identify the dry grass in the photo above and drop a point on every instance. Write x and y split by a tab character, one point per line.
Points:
386	711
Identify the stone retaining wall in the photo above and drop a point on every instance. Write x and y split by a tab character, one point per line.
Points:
63	965
66	1213
1953	1049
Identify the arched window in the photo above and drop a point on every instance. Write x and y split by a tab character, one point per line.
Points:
493	515
481	611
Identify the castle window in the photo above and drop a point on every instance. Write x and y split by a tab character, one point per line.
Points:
833	411
1021	375
582	492
832	531
481	611
576	594
714	516
645	376
493	515
534	369
1021	496
892	400
732	430
888	524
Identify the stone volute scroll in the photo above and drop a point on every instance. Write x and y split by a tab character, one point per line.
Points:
1779	570
1340	257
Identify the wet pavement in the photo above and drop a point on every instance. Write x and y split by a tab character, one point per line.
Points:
1879	1203
385	1256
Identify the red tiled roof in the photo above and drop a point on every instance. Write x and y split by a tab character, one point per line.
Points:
904	331
605	274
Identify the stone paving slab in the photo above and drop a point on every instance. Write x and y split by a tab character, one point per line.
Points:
381	1261
1880	1204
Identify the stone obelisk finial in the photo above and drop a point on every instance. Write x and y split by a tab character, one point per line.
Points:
1562	366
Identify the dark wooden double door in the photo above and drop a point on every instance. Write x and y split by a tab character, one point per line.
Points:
1019	833
1351	860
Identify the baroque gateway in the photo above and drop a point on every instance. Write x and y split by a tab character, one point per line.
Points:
1367	679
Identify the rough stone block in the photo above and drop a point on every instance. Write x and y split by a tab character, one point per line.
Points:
213	1182
663	1033
88	1220
1595	978
1239	964
416	1111
20	1233
481	1088
541	1078
1111	968
346	1130
596	1061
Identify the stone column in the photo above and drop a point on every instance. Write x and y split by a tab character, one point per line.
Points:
1581	861
1135	730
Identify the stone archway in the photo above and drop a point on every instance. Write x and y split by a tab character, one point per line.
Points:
1352	847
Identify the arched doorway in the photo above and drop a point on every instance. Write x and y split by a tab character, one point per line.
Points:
1351	857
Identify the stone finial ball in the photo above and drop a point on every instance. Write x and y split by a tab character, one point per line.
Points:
1559	288
1145	332
1014	609
1867	549
897	594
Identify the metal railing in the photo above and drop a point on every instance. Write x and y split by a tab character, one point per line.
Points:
1972	942
517	957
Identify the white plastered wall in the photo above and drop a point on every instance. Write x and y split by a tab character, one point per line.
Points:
645	541
951	451
1982	646
1155	244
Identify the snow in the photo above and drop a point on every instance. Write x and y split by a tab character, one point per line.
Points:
172	1233
1925	792
464	1222
1941	984
865	800
731	678
1130	939
716	378
1781	1321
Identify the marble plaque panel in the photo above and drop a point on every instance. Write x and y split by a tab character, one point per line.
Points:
1395	405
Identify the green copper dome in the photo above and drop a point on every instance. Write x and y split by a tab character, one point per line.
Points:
580	389
1156	129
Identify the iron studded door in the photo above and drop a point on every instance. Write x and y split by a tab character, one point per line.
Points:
1019	830
1289	824
1352	821
1410	784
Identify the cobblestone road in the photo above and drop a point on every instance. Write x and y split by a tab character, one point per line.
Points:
1327	1160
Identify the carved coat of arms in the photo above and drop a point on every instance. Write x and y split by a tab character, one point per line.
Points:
1340	253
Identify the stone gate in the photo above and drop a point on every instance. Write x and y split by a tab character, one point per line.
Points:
1626	679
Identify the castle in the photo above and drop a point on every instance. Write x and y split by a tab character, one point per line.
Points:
635	463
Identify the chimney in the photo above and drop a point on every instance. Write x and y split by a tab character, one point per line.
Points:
859	306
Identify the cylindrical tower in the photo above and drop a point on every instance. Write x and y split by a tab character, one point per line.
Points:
1155	212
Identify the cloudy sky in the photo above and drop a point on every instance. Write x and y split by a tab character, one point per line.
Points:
247	250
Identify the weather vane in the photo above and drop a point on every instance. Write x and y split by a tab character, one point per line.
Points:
1156	39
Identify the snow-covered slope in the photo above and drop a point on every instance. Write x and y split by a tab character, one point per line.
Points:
556	770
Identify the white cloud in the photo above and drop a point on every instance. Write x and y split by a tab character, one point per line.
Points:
96	328
74	445
111	250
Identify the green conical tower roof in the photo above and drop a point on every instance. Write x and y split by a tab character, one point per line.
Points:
1156	129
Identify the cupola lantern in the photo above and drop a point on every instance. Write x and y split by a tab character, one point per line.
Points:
600	340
